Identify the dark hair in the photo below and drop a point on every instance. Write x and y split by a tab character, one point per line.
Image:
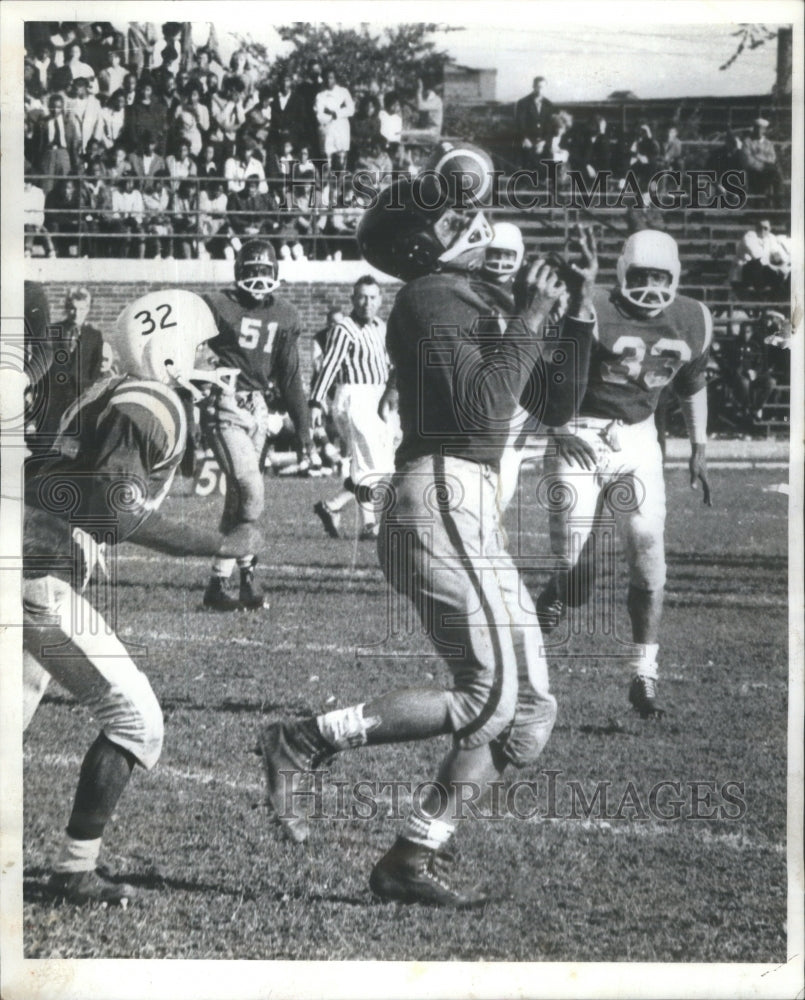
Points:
264	92
389	99
366	279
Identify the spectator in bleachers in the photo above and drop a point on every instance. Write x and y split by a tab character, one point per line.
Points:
171	58
430	107
110	78
374	166
644	153
208	165
102	41
96	205
182	165
85	108
146	162
62	35
334	108
33	207
112	121
556	144
240	68
185	221
742	359
192	119
127	217
229	110
73	68
206	67
94	151
304	181
402	163
166	93
45	66
120	164
390	119
309	90
56	145
157	223
257	124
34	101
129	89
288	117
250	211
365	128
763	172
532	123
141	43
145	116
213	223
597	149
763	261
671	158
240	165
212	88
62	217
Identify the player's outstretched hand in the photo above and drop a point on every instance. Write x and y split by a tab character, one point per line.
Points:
537	287
576	451
698	473
585	272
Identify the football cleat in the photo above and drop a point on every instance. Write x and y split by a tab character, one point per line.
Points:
412	873
90	887
250	597
329	518
643	697
218	597
290	751
550	611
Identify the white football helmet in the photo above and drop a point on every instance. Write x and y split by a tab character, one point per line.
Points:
504	255
158	335
653	249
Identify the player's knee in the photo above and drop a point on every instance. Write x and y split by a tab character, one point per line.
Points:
524	739
478	710
136	724
252	497
647	566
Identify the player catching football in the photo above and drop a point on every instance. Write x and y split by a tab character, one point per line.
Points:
112	464
440	541
647	337
257	335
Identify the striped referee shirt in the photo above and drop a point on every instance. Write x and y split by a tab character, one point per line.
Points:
355	355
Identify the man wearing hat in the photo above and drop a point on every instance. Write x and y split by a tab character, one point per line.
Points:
762	171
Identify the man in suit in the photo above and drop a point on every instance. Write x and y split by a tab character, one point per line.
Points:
288	121
532	119
57	144
147	162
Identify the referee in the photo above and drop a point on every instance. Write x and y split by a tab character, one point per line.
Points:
356	363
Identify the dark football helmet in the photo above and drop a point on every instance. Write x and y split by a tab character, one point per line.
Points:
407	234
256	269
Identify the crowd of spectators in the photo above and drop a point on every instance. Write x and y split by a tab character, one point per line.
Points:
545	134
141	145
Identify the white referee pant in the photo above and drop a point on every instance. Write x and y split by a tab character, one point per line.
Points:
367	436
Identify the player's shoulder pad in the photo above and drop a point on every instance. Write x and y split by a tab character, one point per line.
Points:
156	411
695	318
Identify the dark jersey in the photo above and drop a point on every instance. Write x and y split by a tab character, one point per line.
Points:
112	465
459	377
261	339
634	358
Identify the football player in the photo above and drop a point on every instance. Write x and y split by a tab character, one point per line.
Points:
112	464
648	337
257	334
440	540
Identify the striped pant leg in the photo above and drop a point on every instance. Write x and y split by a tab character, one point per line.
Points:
642	506
64	636
433	550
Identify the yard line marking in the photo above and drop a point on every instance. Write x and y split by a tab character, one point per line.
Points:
308	647
737	841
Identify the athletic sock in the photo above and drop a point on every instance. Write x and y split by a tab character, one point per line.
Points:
644	660
77	855
344	728
222	567
431	833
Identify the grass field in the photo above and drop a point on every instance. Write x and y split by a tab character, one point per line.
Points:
219	883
